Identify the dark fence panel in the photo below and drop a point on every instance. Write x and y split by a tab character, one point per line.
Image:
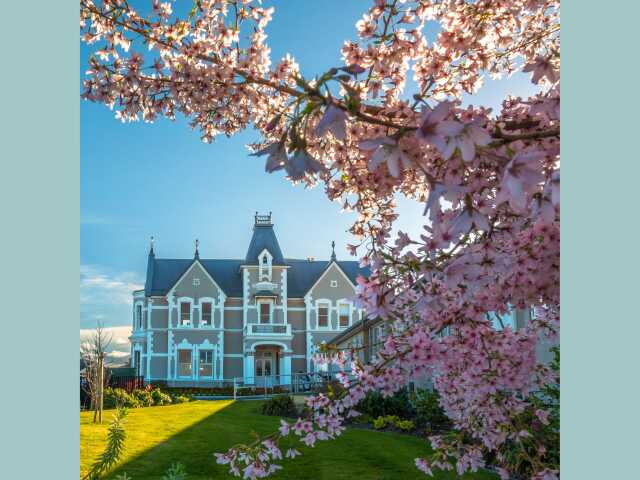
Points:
127	383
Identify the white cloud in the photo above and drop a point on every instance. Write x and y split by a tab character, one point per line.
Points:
100	287
106	296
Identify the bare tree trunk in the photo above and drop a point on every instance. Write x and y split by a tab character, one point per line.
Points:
100	386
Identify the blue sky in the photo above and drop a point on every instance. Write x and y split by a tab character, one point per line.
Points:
159	179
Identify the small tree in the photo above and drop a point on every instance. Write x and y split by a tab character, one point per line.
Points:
92	353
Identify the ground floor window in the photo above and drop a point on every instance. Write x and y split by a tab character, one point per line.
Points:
136	362
185	365
206	363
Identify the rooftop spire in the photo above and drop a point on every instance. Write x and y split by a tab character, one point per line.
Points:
197	254
151	244
333	250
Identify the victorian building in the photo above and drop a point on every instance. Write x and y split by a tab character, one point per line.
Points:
209	321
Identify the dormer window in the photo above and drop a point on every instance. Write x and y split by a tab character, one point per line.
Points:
264	266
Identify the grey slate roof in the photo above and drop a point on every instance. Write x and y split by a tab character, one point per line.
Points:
264	237
163	273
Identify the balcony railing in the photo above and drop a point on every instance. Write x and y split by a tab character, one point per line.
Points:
267	329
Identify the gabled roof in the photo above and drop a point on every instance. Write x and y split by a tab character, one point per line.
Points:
264	238
167	271
301	275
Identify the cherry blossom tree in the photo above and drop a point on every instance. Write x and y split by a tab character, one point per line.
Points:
389	121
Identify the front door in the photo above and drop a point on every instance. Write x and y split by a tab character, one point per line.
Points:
265	368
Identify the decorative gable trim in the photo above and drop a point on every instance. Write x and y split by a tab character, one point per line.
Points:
171	291
325	272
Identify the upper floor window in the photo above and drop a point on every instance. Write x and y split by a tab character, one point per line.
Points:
265	312
206	314
333	283
264	266
185	313
344	315
196	282
138	316
323	316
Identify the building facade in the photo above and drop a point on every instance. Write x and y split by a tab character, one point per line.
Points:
207	322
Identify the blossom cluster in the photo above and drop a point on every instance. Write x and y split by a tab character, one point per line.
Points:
489	181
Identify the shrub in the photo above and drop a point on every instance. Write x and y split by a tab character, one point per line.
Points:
116	437
282	405
375	405
393	421
143	397
180	399
405	425
380	423
118	397
175	472
429	413
160	398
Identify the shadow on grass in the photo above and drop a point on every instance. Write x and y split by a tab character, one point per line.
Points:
357	454
195	445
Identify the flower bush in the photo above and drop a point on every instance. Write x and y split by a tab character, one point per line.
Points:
389	122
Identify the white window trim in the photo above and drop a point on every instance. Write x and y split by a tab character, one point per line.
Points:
258	305
191	302
333	283
323	302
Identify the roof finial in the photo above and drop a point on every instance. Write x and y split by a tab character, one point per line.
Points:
151	244
333	250
197	255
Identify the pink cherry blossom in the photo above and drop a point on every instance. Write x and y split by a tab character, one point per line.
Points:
490	181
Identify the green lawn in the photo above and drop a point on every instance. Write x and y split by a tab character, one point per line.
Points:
190	433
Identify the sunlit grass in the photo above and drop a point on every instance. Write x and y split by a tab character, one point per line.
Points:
190	433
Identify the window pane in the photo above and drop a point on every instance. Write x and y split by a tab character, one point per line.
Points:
206	313
344	315
184	361
265	313
323	316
